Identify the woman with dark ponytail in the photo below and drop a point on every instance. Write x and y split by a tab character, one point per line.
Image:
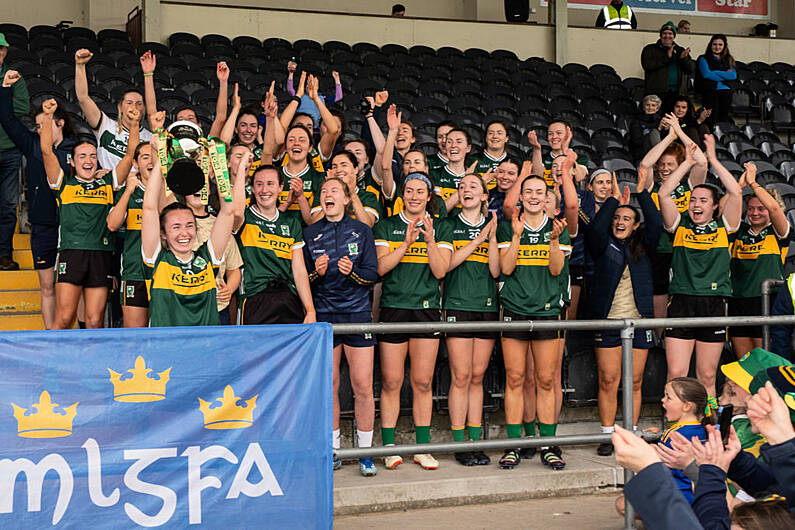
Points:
716	67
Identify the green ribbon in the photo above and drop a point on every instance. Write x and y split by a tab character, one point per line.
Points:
217	152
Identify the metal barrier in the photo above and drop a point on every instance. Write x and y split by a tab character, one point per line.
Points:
627	327
767	286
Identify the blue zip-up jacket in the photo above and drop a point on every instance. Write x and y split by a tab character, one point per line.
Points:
611	255
712	74
42	209
334	292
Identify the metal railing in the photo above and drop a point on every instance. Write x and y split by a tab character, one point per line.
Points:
627	327
767	287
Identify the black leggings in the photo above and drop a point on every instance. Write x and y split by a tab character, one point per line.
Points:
720	103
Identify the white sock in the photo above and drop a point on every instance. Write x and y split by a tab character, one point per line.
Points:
634	427
608	429
335	439
364	438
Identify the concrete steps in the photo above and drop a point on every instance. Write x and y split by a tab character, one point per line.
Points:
20	303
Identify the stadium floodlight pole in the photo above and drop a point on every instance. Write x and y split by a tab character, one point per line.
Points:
767	286
627	336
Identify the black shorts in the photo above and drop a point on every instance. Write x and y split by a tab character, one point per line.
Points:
358	340
133	293
691	306
454	315
661	273
547	334
610	338
577	275
745	307
87	268
272	306
390	314
43	245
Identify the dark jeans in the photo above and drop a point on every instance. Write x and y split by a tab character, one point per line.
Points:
720	102
10	162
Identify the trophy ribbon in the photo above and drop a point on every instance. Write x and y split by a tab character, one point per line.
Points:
205	167
162	154
217	152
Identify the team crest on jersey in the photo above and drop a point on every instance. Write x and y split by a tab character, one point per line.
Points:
713	225
353	249
130	291
285	230
546	237
62	268
199	262
451	319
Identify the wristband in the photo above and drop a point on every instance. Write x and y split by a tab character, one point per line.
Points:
150	74
296	99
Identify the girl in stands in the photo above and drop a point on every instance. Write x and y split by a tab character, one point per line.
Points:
693	126
470	294
413	256
532	252
183	287
622	288
758	252
700	268
716	67
42	208
85	251
341	255
663	159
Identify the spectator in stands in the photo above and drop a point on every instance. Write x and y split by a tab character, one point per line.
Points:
413	257
439	160
617	15
700	275
497	135
341	254
307	106
470	294
532	290
622	288
757	252
446	179
10	162
644	130
715	67
665	158
667	65
84	265
683	26
692	126
42	208
111	134
398	10
364	205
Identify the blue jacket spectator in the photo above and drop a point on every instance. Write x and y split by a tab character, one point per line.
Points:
709	502
714	69
656	499
781	335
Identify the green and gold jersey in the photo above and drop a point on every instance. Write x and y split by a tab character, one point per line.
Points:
83	208
470	286
485	162
681	197
314	157
700	261
411	284
445	181
756	257
531	289
547	159
132	268
437	162
182	294
312	181
267	246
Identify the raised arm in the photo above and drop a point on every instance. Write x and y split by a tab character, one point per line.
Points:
393	118
148	65
222	72
271	110
509	253
537	156
228	130
90	110
570	198
124	166
150	211
329	138
292	107
698	175
509	207
668	209
222	229
733	210
556	255
118	213
16	130
51	164
777	215
656	152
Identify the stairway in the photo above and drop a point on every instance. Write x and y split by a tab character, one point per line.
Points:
20	304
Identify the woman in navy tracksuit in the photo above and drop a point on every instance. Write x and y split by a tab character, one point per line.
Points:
42	210
340	256
622	288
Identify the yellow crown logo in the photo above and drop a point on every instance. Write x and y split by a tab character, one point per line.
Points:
139	388
45	422
228	415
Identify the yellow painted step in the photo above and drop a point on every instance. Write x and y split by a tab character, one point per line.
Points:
24	258
20	302
18	280
22	241
24	321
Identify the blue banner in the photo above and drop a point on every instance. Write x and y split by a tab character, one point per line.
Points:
222	427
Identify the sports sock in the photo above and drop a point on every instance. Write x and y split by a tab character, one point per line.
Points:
459	434
475	432
634	428
607	429
422	434
81	324
364	438
335	438
514	430
388	435
529	428
547	429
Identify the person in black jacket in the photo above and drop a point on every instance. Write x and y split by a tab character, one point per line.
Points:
42	210
622	288
644	130
667	65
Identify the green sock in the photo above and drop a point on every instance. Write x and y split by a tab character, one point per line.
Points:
514	430
475	432
422	434
388	435
459	434
529	428
547	429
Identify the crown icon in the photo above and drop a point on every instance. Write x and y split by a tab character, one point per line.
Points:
45	422
139	388
228	415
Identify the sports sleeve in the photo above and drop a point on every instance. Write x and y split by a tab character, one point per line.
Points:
380	234
564	242
672	229
298	237
371	205
207	248
58	186
443	234
504	234
149	262
365	269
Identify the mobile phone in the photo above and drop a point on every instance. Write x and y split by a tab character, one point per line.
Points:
725	422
